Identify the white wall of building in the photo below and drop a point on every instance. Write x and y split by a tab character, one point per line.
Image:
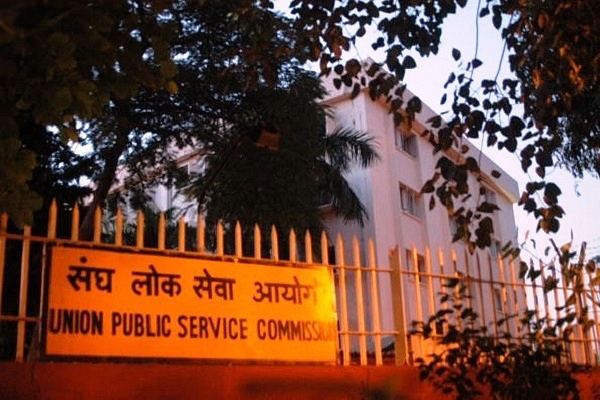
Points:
388	224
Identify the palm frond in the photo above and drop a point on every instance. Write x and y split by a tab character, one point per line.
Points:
347	146
344	200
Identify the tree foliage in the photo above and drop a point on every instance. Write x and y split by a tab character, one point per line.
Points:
553	56
65	60
114	52
470	360
218	110
285	185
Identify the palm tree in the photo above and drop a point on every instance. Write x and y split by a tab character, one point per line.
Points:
285	181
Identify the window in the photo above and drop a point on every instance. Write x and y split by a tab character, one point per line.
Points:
489	196
409	201
406	141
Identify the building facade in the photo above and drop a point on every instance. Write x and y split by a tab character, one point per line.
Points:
400	217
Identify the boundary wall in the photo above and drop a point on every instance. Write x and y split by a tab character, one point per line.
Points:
90	381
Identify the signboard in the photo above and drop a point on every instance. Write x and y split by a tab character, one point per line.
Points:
115	304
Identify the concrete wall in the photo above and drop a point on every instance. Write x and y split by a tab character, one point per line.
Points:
64	381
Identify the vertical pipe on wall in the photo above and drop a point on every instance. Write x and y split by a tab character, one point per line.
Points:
399	307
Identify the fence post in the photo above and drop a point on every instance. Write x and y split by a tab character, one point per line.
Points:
400	342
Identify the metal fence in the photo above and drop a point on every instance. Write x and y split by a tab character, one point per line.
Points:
376	305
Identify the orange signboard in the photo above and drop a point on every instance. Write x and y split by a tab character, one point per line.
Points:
120	304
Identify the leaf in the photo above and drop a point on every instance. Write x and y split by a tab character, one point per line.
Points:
62	99
435	121
551	193
497	17
476	63
172	87
168	68
456	54
471	164
550	284
353	67
530	205
487	208
534	274
590	266
409	62
355	90
451	282
451	78
523	268
428	187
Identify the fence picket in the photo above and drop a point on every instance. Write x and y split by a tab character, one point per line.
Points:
139	241
119	228
238	240
220	239
257	242
343	301
75	223
274	244
97	225
181	233
324	249
360	301
375	303
293	257
200	234
308	247
161	231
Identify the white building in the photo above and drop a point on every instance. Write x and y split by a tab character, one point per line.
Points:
400	216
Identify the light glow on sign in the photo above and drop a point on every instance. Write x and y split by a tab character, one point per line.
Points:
115	304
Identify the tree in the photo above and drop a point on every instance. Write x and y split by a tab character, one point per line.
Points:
218	103
284	185
112	50
66	60
142	131
553	54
